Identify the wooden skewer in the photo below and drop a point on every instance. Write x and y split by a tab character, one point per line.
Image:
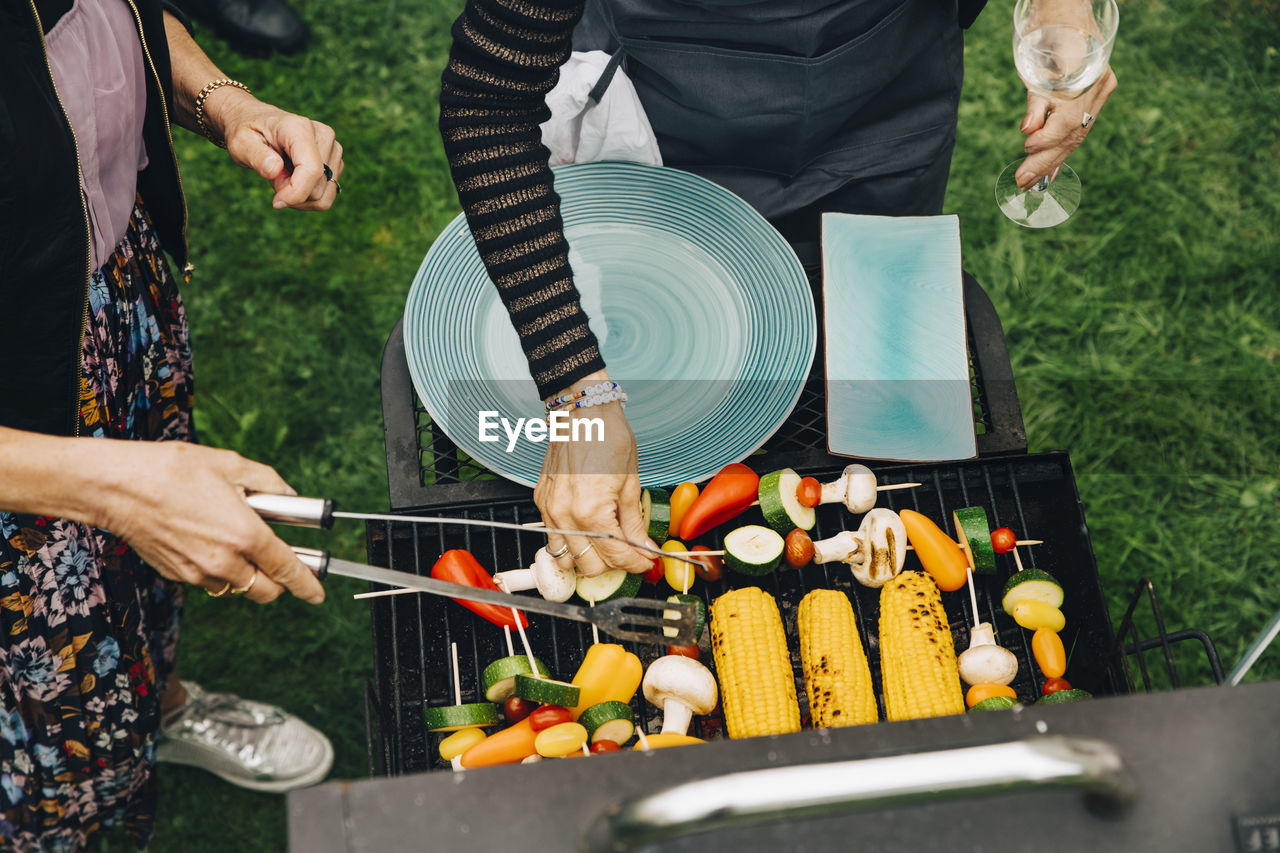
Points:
696	553
457	682
506	632
380	593
644	741
533	665
595	632
585	751
1017	559
973	597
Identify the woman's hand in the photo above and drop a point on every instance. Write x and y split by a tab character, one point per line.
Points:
288	150
1055	129
182	508
594	486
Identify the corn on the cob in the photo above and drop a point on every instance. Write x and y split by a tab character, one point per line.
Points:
757	684
917	658
836	676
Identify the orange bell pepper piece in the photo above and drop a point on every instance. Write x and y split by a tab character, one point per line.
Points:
939	554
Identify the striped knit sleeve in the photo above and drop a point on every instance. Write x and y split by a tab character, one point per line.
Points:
505	57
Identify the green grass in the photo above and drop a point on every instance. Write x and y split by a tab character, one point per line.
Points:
1144	333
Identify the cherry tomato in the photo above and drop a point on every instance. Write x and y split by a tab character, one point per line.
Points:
605	746
799	548
1047	647
1053	685
809	492
686	651
548	716
656	572
516	709
708	568
1003	540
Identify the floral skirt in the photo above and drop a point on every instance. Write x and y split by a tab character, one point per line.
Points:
87	630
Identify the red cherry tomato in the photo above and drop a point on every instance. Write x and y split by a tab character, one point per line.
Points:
1003	540
655	574
548	716
1053	685
809	492
605	746
516	709
687	651
708	568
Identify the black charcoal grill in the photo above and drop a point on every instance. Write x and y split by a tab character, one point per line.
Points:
1035	494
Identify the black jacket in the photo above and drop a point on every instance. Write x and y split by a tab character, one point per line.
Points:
44	227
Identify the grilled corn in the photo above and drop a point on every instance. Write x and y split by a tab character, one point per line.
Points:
757	684
917	657
836	676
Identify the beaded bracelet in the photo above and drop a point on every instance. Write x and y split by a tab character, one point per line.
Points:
589	391
208	90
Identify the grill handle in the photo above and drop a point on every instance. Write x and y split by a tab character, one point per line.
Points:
811	790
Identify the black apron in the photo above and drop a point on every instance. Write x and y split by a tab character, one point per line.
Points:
798	106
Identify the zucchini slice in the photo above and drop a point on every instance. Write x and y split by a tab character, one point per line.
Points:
753	550
1061	697
994	703
655	506
779	504
1031	585
499	677
451	718
612	584
609	721
974	535
700	620
547	691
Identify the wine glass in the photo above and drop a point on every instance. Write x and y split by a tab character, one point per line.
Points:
1060	48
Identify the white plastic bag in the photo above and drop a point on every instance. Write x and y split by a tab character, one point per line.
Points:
580	131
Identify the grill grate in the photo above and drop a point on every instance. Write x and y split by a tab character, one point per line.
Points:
1035	495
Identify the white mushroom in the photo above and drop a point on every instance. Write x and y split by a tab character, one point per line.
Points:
845	547
681	687
884	539
856	489
984	662
551	581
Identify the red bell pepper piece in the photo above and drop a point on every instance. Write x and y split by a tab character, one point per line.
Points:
458	566
728	494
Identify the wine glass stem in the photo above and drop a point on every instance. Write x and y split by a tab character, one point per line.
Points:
1041	185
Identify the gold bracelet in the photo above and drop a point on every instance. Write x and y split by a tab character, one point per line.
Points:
208	90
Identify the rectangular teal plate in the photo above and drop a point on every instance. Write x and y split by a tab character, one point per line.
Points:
896	353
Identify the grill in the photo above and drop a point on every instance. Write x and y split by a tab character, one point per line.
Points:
1034	494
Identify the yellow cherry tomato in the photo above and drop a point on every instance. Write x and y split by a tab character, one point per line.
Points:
682	497
1047	646
560	740
1034	615
679	574
459	742
978	692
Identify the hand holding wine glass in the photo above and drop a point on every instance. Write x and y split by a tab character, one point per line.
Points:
1061	49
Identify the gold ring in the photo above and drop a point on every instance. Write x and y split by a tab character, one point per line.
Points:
578	555
225	589
559	552
242	590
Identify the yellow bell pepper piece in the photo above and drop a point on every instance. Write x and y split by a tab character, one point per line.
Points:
608	673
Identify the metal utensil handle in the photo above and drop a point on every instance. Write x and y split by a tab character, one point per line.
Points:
810	790
320	562
292	509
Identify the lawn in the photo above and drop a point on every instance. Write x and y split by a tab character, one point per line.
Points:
1144	333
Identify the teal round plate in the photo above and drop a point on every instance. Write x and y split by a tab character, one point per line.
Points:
703	314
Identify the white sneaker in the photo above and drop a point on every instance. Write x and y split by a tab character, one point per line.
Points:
249	744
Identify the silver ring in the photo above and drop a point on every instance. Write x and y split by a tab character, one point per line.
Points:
578	555
1087	120
559	552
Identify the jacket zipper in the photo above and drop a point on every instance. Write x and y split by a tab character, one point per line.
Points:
187	267
88	234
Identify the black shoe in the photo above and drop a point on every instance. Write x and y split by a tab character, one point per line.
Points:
253	26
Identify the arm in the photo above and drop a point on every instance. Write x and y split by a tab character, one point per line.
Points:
505	57
288	150
180	506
